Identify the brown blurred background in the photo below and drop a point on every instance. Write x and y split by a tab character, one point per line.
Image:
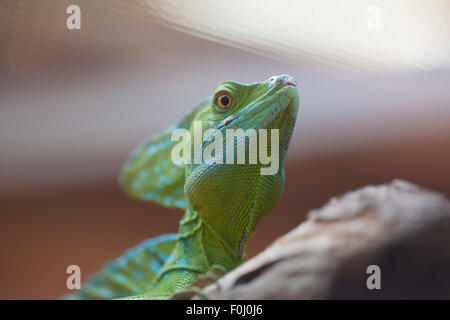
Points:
73	103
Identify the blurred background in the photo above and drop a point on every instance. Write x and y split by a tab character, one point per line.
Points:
374	83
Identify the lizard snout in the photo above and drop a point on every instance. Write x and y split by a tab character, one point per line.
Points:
287	80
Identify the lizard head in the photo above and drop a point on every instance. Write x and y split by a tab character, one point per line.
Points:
245	130
231	181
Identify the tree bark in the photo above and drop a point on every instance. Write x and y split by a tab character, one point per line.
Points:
400	228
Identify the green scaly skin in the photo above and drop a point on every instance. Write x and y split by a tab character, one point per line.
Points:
223	203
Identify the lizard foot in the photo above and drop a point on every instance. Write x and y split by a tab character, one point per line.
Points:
211	277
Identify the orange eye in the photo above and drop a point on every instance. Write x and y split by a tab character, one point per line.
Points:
224	100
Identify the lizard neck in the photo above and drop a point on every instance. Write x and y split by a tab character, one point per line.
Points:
197	239
196	251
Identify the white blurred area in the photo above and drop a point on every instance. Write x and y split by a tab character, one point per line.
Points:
371	35
77	124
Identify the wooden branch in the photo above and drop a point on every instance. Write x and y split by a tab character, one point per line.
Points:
399	227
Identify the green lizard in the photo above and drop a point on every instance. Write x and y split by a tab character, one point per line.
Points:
223	202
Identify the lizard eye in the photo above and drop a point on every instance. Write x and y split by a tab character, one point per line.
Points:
224	100
273	79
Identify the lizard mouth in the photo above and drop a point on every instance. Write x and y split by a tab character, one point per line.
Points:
289	83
